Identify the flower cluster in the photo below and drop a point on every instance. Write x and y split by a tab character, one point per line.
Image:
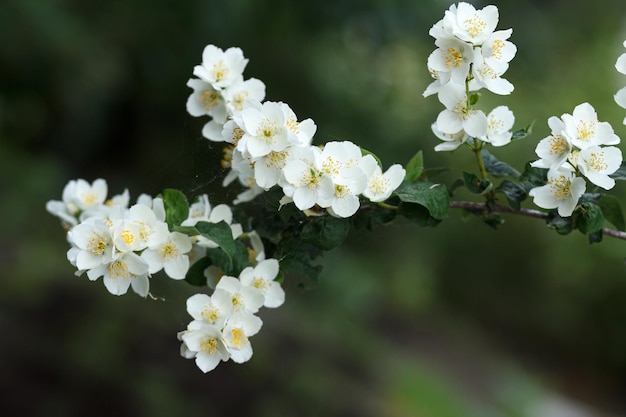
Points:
270	147
124	245
620	96
470	55
224	321
576	147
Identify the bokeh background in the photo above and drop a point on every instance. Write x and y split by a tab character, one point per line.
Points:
460	320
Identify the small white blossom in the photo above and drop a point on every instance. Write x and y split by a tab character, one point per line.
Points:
499	123
457	115
554	149
262	277
170	255
584	130
204	342
598	163
471	25
126	270
221	68
562	191
380	185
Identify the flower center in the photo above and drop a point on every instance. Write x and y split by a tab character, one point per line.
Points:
208	345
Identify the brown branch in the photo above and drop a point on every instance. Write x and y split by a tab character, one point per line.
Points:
482	207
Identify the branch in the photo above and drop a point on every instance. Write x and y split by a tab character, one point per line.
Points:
482	207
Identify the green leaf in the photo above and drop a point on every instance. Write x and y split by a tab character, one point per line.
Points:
415	167
513	192
325	232
588	218
562	225
220	233
620	174
195	274
176	207
476	185
522	133
299	257
533	177
366	152
187	230
473	99
612	211
417	214
492	219
434	197
498	168
595	237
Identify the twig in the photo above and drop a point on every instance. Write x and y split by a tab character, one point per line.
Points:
482	207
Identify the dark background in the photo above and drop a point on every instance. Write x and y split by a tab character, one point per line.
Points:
454	321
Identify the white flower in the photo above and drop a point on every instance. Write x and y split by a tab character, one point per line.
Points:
304	177
241	91
221	68
262	277
204	343
598	163
620	65
497	51
94	242
451	141
453	56
170	255
584	130
457	115
489	77
79	198
471	25
243	298
239	327
555	149
126	270
264	127
206	101
441	79
562	191
268	169
212	310
499	123
380	185
299	133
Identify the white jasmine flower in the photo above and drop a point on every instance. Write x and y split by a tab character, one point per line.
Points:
471	25
241	91
555	149
380	185
562	191
598	163
239	327
94	242
451	141
489	77
206	101
584	130
126	270
262	277
221	68
212	310
169	255
457	115
453	56
204	343
244	298
499	123
264	127
497	51
304	177
299	133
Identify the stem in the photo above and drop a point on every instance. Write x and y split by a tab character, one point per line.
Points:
387	206
524	212
479	159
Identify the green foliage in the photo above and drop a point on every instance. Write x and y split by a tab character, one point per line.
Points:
415	167
588	218
475	185
513	192
533	177
176	207
325	232
195	275
432	197
522	133
497	168
612	211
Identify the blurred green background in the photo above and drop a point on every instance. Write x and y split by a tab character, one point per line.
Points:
459	320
